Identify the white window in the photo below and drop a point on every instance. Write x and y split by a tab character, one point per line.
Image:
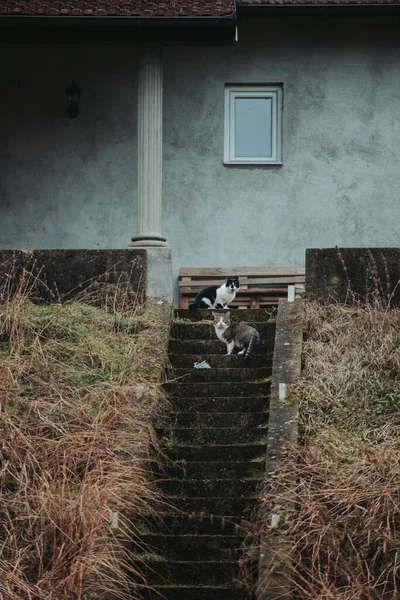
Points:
253	125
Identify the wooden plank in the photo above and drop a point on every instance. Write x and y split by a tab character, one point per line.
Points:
226	272
244	278
299	279
245	298
249	291
183	302
244	270
202	283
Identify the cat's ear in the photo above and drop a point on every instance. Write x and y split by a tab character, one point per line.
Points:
228	315
215	315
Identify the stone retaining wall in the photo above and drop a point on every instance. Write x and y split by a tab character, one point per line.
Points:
348	274
58	275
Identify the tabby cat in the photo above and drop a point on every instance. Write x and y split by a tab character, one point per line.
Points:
241	335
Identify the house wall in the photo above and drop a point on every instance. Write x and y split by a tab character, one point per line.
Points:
341	152
67	183
72	183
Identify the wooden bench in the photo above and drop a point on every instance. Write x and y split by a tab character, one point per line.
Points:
259	286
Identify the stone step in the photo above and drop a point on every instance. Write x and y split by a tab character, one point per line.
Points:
218	361
206	331
259	315
211	488
228	452
194	547
221	404
210	375
211	436
190	572
215	440
211	470
182	524
240	507
216	419
208	347
171	592
217	389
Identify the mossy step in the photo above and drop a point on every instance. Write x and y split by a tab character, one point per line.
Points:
217	389
211	436
218	361
211	470
259	314
211	488
192	524
220	404
210	375
194	547
190	572
228	452
206	331
208	347
217	419
172	592
240	507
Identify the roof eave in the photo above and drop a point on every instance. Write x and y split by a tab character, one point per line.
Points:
318	10
168	29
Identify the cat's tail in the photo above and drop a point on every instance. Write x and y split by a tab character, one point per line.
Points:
254	341
193	309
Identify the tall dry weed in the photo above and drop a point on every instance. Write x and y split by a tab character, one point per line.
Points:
344	477
75	422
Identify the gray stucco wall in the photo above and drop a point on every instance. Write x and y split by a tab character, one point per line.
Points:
67	183
73	183
341	151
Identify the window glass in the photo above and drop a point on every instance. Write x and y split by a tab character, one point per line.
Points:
253	127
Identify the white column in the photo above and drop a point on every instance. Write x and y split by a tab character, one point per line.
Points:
150	109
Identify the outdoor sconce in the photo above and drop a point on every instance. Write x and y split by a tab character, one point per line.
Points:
72	100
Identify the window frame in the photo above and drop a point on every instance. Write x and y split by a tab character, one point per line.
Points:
273	92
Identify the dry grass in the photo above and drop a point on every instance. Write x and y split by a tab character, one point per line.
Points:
75	421
344	478
351	379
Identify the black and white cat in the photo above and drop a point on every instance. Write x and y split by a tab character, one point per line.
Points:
241	335
216	296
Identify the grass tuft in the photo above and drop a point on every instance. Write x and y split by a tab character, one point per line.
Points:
344	477
76	412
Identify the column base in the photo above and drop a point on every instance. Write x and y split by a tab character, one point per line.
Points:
159	270
144	240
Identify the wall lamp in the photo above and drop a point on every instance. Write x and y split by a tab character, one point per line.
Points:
73	93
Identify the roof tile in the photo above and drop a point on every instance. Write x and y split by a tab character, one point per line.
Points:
148	8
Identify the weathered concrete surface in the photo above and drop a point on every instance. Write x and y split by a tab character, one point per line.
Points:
339	179
275	544
152	342
62	274
353	274
72	183
68	183
159	275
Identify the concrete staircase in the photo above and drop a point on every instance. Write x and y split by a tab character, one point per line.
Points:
215	443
